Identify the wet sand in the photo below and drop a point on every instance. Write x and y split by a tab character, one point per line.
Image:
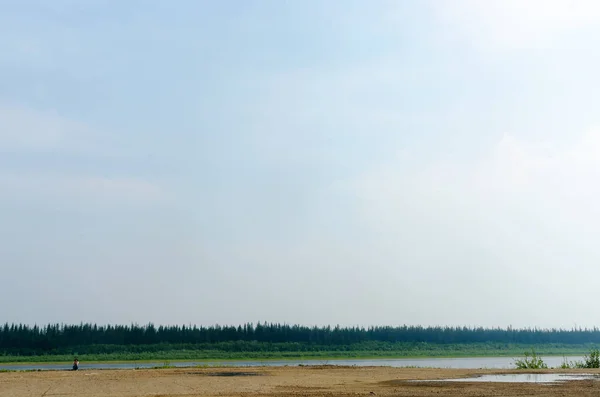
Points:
281	381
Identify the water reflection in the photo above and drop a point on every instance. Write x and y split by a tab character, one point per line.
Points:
524	378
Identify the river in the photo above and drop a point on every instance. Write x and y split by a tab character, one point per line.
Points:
463	362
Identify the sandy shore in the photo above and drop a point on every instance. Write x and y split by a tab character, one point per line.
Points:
281	381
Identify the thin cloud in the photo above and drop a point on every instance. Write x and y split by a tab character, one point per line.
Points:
523	220
514	24
24	129
515	167
90	188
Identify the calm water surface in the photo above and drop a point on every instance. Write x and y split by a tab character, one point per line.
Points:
463	362
523	378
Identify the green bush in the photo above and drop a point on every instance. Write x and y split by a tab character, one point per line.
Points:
589	361
530	361
566	364
593	360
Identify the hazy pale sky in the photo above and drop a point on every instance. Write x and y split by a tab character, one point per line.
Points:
302	161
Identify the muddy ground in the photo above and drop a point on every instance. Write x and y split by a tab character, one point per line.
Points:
282	381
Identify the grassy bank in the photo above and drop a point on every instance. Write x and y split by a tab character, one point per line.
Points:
316	352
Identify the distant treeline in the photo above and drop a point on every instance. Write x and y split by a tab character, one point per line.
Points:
53	338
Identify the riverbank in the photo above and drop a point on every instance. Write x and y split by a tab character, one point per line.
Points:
281	381
199	355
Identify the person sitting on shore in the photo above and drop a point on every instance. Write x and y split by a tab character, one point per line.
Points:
75	364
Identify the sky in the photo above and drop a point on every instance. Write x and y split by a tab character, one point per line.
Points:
347	162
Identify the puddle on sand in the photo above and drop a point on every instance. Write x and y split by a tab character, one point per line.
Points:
523	378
